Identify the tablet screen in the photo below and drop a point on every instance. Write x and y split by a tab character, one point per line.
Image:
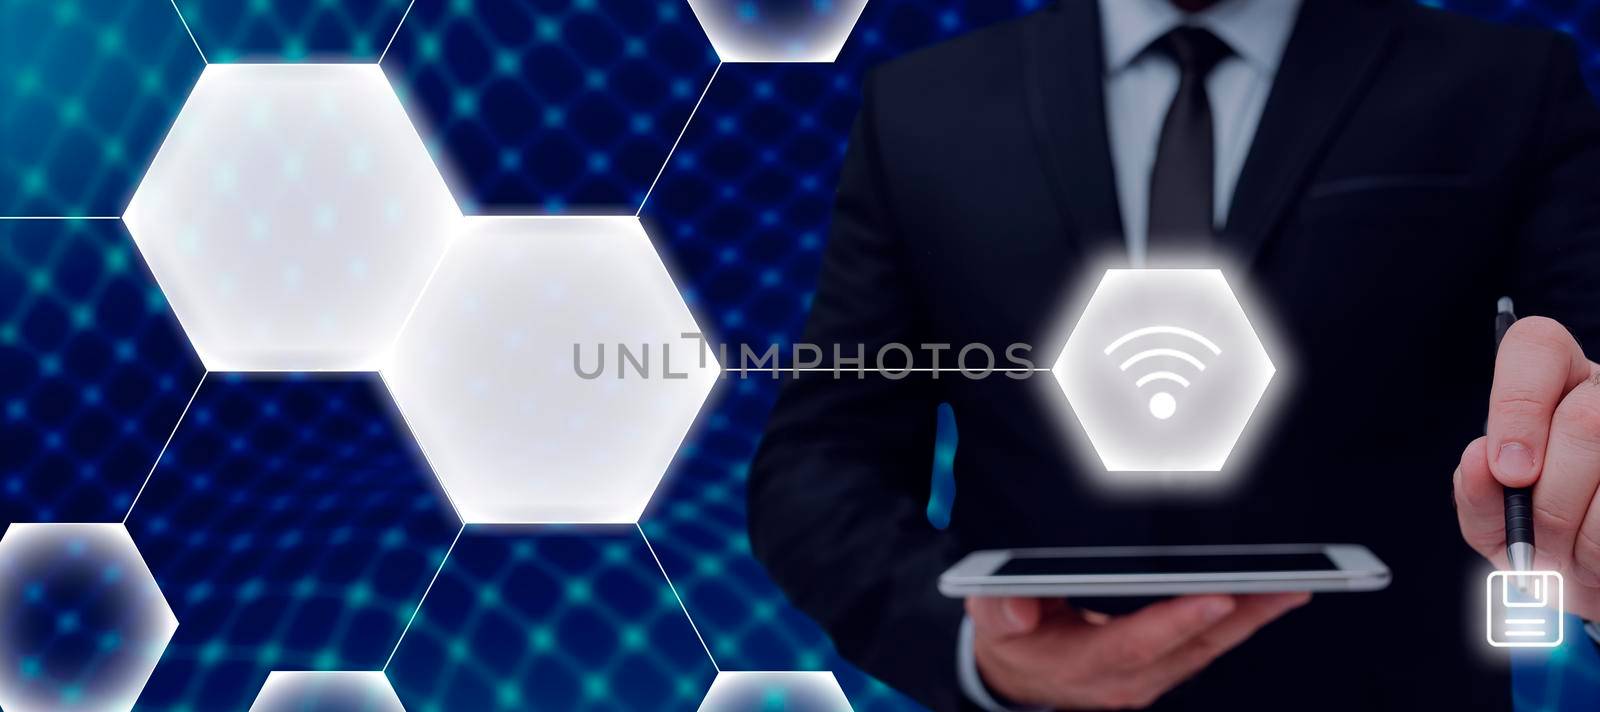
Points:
1200	564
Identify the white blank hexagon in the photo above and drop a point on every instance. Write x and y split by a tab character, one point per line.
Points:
292	216
487	376
1163	370
736	691
745	31
82	621
332	691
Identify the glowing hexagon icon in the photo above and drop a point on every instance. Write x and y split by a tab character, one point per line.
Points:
82	622
546	371
777	30
292	216
738	691
330	691
1163	370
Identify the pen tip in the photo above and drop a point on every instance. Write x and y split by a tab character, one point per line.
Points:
1504	305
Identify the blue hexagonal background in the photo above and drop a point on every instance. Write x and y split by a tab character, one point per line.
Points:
88	90
93	371
540	617
551	106
292	525
740	212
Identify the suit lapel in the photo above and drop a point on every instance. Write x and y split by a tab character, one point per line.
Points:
1331	57
1064	82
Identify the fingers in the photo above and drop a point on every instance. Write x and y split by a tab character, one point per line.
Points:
1564	491
1141	638
1004	617
1480	504
1252	612
1537	364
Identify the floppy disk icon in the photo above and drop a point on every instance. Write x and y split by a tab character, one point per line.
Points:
1526	609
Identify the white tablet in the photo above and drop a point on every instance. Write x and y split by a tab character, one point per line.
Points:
1165	571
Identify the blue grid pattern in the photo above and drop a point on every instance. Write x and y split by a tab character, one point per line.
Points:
551	106
89	89
741	211
550	618
292	30
292	525
93	371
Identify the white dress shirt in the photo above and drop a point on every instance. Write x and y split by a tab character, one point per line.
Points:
1139	86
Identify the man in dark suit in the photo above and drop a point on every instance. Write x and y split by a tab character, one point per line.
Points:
1382	173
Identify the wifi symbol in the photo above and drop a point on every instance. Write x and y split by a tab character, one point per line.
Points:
1162	404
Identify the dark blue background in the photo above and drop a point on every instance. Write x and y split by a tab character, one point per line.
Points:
291	524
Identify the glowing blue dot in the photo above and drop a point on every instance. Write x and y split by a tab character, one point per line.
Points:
465	103
508	695
578	590
211	653
507	62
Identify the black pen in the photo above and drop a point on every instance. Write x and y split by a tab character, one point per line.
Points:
1519	500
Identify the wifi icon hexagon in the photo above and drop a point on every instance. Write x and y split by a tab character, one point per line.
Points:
1163	370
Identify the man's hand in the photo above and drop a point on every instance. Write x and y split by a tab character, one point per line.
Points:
1544	431
1043	652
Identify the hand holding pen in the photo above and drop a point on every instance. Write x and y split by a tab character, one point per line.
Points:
1526	491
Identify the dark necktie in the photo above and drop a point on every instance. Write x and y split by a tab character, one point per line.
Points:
1181	182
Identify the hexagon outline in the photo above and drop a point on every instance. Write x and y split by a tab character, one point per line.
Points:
167	619
1075	372
822	683
428	441
266	355
279	679
725	40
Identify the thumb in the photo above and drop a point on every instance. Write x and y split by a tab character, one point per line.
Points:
1004	616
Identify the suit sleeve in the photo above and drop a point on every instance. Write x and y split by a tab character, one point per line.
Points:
840	484
1556	259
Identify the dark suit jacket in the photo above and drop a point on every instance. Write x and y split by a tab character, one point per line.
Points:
1410	167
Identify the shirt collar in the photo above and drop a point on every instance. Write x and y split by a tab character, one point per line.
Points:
1257	30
